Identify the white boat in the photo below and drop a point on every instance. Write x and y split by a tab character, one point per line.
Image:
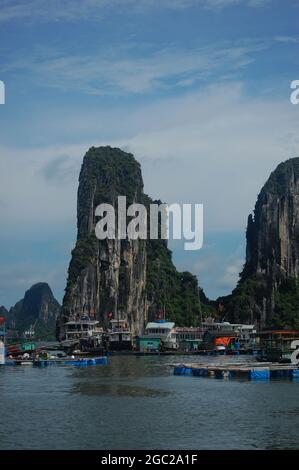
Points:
165	331
82	328
119	335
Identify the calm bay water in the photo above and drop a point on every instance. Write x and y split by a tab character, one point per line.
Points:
136	403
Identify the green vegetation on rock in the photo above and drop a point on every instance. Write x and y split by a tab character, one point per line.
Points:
83	254
287	305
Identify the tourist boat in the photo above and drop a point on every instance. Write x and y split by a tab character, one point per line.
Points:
164	331
82	328
84	335
119	335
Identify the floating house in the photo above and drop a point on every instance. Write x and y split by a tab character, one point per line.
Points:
276	344
147	344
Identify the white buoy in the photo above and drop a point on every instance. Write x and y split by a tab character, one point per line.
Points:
2	353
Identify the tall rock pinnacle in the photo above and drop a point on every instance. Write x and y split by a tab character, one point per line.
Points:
108	276
128	279
268	289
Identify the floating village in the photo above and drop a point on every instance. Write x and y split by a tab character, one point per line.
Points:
116	292
87	343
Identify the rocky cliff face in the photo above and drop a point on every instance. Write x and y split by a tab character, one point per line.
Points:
269	280
38	309
125	278
106	277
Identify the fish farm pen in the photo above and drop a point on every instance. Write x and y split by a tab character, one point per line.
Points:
77	362
259	371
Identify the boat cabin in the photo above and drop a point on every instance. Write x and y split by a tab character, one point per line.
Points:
119	335
163	330
84	328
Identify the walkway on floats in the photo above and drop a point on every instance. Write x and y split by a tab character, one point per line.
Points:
256	370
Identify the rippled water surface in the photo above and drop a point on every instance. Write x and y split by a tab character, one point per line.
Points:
136	403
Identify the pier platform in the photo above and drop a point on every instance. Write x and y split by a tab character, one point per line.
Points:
250	371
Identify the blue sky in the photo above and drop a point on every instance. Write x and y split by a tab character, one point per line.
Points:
198	90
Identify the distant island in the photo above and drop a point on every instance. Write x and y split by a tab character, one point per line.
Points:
35	315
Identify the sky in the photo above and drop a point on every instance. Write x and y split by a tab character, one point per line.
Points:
198	90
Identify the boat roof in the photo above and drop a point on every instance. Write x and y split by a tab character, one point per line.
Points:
228	324
223	334
183	329
160	326
279	332
80	322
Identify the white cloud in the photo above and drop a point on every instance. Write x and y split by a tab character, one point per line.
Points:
215	147
30	198
18	276
217	265
231	275
287	39
62	169
135	69
95	10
